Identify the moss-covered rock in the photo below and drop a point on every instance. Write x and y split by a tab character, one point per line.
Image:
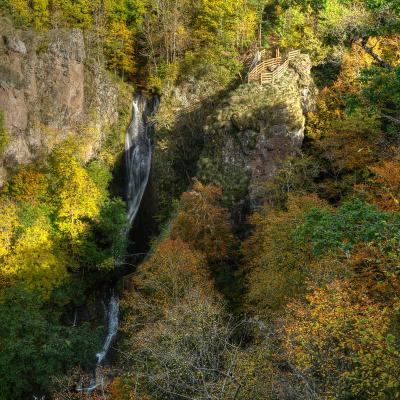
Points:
256	128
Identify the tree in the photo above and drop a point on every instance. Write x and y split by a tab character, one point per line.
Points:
187	353
203	223
33	259
119	48
177	336
353	222
165	278
78	198
384	189
275	267
29	185
8	225
35	346
341	343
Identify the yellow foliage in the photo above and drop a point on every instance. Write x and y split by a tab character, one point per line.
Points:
78	197
225	22
22	9
274	264
8	224
340	339
33	260
120	47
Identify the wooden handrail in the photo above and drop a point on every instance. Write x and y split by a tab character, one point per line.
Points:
259	73
263	65
293	54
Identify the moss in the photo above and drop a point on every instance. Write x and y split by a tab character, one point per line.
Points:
4	135
43	46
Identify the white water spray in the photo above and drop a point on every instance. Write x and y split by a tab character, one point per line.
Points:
138	165
138	155
112	328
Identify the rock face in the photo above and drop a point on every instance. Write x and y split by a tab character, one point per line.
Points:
47	93
258	127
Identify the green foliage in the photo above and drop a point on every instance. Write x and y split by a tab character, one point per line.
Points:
4	135
100	175
106	245
323	28
36	346
57	217
233	181
351	223
111	24
381	91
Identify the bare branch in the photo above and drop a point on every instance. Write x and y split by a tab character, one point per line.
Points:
378	59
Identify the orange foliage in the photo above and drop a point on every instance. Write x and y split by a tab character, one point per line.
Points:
203	223
165	278
29	185
339	342
376	273
384	189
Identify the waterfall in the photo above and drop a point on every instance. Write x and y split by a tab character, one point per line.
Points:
138	153
112	328
138	164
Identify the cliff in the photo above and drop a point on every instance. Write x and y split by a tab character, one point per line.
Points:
51	87
255	129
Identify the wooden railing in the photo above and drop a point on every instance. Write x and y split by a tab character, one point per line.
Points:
293	54
272	77
260	72
263	65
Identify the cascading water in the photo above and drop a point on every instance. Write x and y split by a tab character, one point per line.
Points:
112	328
138	154
138	165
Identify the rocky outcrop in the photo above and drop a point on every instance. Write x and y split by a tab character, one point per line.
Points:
48	91
258	127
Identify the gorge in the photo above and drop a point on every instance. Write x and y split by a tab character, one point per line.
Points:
199	199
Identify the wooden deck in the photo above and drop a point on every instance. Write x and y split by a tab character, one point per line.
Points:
272	69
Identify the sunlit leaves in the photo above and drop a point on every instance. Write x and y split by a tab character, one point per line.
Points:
203	222
8	224
351	223
77	197
340	341
35	261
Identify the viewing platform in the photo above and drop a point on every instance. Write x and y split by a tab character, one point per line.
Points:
269	70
